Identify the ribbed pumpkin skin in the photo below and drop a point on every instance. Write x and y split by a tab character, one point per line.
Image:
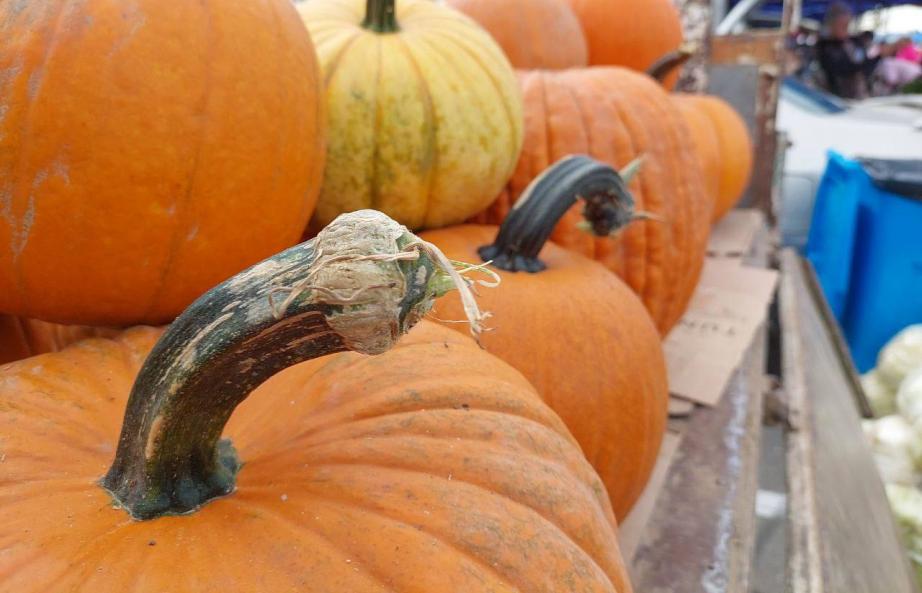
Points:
149	150
425	124
630	33
434	467
706	143
534	34
583	339
616	115
21	338
734	146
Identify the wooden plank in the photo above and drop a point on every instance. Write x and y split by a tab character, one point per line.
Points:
680	408
842	536
696	29
702	530
755	47
843	354
734	235
631	529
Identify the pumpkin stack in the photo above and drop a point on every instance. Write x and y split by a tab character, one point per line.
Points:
275	435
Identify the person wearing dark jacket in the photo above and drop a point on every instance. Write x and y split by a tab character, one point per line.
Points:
844	59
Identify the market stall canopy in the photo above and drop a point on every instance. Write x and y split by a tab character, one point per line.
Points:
815	9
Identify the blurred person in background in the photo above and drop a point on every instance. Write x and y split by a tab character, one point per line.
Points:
895	72
846	61
905	50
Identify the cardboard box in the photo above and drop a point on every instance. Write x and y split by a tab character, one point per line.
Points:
733	236
708	344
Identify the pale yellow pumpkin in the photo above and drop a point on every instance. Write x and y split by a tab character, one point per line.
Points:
424	111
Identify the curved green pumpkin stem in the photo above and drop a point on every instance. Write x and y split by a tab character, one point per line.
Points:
380	16
670	62
608	207
359	285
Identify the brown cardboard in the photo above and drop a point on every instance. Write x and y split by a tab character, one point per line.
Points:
630	530
680	408
707	345
734	234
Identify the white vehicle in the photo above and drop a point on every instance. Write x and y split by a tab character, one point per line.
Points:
815	123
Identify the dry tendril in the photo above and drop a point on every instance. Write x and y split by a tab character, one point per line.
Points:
454	270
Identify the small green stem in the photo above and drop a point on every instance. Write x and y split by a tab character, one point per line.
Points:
380	16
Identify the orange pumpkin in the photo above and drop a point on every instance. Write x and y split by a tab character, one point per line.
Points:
721	138
573	328
706	144
629	33
433	467
734	146
21	338
534	34
149	150
616	116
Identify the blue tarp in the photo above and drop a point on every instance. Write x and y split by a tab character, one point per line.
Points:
815	9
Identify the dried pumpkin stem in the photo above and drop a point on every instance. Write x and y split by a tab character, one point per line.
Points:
608	207
380	16
672	61
359	285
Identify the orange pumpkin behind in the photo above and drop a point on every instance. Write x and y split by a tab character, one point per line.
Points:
149	150
21	338
630	33
534	34
734	147
706	143
573	328
616	115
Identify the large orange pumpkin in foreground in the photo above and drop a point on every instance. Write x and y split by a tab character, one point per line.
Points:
424	117
433	467
149	150
629	33
573	328
534	34
616	116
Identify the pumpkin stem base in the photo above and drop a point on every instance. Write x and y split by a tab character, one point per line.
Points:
380	16
185	494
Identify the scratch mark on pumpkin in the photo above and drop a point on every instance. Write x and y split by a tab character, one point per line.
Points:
60	168
35	80
20	236
138	19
